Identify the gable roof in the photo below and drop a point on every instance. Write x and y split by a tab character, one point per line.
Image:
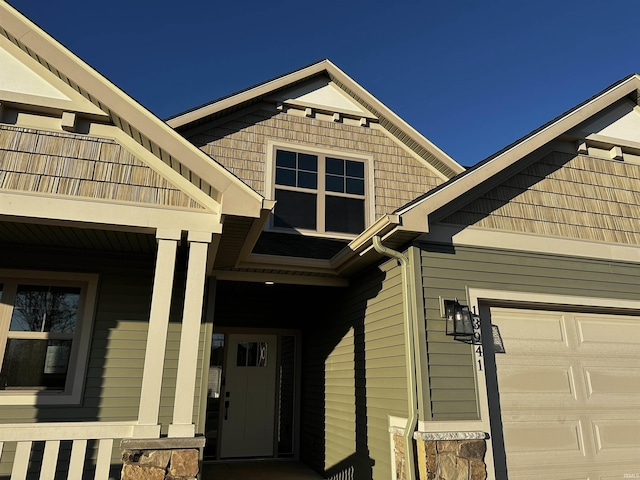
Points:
235	197
414	218
499	163
372	107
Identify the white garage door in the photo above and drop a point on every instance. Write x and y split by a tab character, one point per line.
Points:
569	392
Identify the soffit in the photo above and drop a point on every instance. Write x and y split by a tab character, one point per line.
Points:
41	235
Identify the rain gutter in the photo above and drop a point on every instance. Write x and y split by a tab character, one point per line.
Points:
410	353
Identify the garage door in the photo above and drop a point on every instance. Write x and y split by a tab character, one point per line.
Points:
569	394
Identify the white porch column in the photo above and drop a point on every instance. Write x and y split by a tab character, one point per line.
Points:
182	425
157	336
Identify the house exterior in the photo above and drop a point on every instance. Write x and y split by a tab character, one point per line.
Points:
269	273
324	149
541	241
109	220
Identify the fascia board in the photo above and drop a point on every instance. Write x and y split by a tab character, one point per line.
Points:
359	244
258	91
327	66
415	217
333	70
237	197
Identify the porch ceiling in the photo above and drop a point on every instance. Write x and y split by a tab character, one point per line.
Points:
16	233
235	232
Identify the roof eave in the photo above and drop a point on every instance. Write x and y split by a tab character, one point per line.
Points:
415	214
249	94
392	122
239	198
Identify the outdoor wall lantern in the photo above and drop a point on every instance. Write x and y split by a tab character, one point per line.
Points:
459	320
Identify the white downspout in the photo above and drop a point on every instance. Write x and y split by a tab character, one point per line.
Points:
407	291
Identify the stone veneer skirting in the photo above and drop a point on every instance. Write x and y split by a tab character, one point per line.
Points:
444	455
161	458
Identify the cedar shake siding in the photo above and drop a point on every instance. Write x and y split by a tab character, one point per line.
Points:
563	195
240	144
76	165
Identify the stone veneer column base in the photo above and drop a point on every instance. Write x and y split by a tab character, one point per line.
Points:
451	455
161	458
444	455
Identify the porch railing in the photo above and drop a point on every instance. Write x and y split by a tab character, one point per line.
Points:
52	434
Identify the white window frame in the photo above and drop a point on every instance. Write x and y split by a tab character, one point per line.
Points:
79	356
322	154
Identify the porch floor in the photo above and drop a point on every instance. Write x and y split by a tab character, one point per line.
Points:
258	470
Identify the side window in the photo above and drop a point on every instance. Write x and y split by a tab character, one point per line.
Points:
44	327
320	193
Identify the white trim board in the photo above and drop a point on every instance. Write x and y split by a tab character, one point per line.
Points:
527	242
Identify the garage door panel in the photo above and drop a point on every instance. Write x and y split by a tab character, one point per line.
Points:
608	334
548	333
545	436
537	379
569	393
551	473
614	383
622	435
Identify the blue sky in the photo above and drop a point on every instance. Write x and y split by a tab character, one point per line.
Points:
471	76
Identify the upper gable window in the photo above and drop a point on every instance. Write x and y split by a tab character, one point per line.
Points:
320	193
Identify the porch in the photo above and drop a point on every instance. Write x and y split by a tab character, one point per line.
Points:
86	448
258	470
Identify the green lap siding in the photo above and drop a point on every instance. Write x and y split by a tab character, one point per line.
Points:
354	377
118	342
447	273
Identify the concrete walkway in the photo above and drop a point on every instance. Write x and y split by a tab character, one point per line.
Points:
258	470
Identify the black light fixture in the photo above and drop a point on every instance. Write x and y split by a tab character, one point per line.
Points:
459	320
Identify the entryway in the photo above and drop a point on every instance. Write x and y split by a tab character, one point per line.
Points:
252	395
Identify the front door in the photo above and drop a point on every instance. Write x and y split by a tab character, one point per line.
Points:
248	401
